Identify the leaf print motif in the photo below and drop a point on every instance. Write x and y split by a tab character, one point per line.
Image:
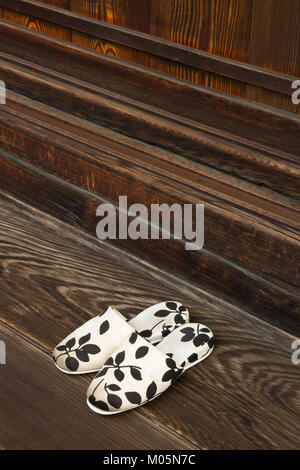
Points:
188	334
120	358
71	343
205	330
104	327
173	373
109	361
179	320
141	352
171	305
200	340
134	398
72	363
136	374
162	313
146	333
151	390
119	375
133	338
166	330
82	356
91	349
82	351
102	372
114	400
169	375
99	403
211	342
113	387
171	363
193	357
84	339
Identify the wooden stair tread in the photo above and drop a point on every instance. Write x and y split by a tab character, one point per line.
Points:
246	395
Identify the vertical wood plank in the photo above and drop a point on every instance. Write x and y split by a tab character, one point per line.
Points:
275	35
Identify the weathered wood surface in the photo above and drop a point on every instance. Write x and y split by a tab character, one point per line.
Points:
214	43
43	409
245	396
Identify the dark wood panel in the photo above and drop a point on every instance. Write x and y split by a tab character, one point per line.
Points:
275	35
191	64
213	145
44	409
260	32
157	47
264	298
107	175
245	396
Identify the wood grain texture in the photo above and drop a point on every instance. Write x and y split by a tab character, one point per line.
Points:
44	409
260	32
214	116
207	68
275	35
260	294
245	396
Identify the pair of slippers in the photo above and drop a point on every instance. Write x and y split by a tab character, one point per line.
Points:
135	360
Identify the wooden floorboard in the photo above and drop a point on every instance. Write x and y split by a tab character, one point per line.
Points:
43	409
245	396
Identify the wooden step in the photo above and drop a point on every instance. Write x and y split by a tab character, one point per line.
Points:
246	139
80	128
251	246
53	278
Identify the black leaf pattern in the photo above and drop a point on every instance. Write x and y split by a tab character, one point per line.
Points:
91	349
200	340
84	339
173	373
104	327
169	375
113	387
98	404
109	361
134	398
188	334
211	342
136	374
102	372
162	313
72	363
171	305
171	363
133	338
179	320
82	351
193	357
151	390
120	358
141	352
101	405
82	356
114	400
146	333
119	375
71	343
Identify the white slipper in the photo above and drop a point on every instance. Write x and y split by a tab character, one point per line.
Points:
139	372
88	347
